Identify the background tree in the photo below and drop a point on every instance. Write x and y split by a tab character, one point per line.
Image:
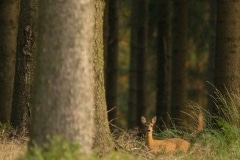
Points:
25	63
103	142
137	88
9	14
179	62
227	57
64	103
163	41
111	57
211	56
132	99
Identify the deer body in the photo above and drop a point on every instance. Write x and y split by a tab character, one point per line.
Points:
167	145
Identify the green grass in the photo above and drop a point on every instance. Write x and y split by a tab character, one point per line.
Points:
57	149
211	144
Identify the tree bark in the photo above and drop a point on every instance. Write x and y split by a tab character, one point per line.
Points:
25	63
227	57
63	100
9	14
103	142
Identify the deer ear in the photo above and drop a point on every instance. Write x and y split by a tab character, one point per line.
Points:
154	119
143	119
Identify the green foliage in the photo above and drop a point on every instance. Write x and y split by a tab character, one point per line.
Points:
57	149
221	145
223	142
120	156
231	132
5	130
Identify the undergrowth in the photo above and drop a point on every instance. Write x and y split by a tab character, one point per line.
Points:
57	149
221	143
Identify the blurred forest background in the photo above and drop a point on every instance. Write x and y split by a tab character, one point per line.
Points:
152	75
158	56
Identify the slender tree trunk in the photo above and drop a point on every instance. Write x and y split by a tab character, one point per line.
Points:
163	97
142	45
63	100
132	100
111	58
103	142
211	56
227	57
25	62
137	102
9	14
179	62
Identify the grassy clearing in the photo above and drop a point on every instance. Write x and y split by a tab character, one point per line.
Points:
211	144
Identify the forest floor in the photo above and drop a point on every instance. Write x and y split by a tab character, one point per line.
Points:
211	144
207	145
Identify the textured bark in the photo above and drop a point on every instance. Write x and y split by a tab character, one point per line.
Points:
227	57
103	142
111	59
9	14
137	87
63	100
25	63
179	63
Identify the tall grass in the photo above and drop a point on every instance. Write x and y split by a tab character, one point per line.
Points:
228	107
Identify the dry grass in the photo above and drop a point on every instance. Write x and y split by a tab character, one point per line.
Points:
11	146
10	149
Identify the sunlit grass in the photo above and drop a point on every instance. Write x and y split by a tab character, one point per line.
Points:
11	146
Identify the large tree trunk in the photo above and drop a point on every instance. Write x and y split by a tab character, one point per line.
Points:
179	62
111	57
227	57
25	63
9	14
63	100
103	142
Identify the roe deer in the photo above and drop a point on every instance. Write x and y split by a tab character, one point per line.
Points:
166	145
